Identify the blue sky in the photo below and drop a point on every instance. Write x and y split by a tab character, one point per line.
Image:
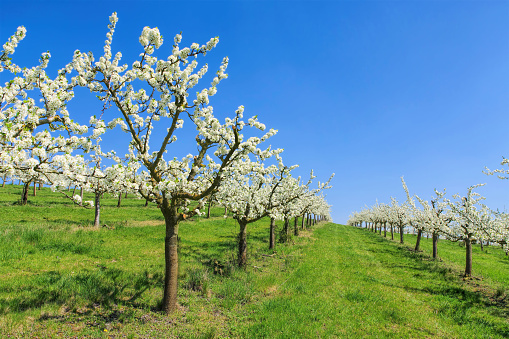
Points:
370	90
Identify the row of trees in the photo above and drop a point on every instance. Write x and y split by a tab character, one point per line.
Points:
149	101
464	218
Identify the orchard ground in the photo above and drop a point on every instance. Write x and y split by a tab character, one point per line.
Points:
60	277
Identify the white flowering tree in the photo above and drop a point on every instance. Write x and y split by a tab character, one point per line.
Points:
471	220
38	139
151	97
253	191
399	216
436	217
499	230
308	201
419	219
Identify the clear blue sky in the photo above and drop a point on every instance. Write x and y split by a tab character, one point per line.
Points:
370	90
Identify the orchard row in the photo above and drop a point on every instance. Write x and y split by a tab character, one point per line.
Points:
149	100
465	219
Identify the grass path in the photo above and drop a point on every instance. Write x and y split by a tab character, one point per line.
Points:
61	278
352	283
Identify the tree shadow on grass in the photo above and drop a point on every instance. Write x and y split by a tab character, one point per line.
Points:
460	298
104	286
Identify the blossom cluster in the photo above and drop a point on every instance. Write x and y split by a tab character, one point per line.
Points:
39	141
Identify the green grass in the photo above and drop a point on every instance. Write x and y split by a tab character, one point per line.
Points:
60	277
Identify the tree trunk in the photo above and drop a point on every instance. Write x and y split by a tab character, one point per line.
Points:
302	221
401	234
380	229
146	202
418	242
3	182
242	255
119	200
468	263
81	195
272	239
208	209
125	196
40	185
385	229
482	245
24	194
97	209
295	228
225	210
435	244
171	261
392	232
284	233
35	188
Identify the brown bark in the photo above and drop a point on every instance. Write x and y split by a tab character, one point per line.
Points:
119	199
81	195
295	228
435	244
35	188
272	239
468	259
171	259
401	228
208	209
302	221
242	255
385	229
418	242
24	194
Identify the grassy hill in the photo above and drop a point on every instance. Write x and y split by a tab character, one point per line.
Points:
60	277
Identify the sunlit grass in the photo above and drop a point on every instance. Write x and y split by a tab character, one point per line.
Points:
61	277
